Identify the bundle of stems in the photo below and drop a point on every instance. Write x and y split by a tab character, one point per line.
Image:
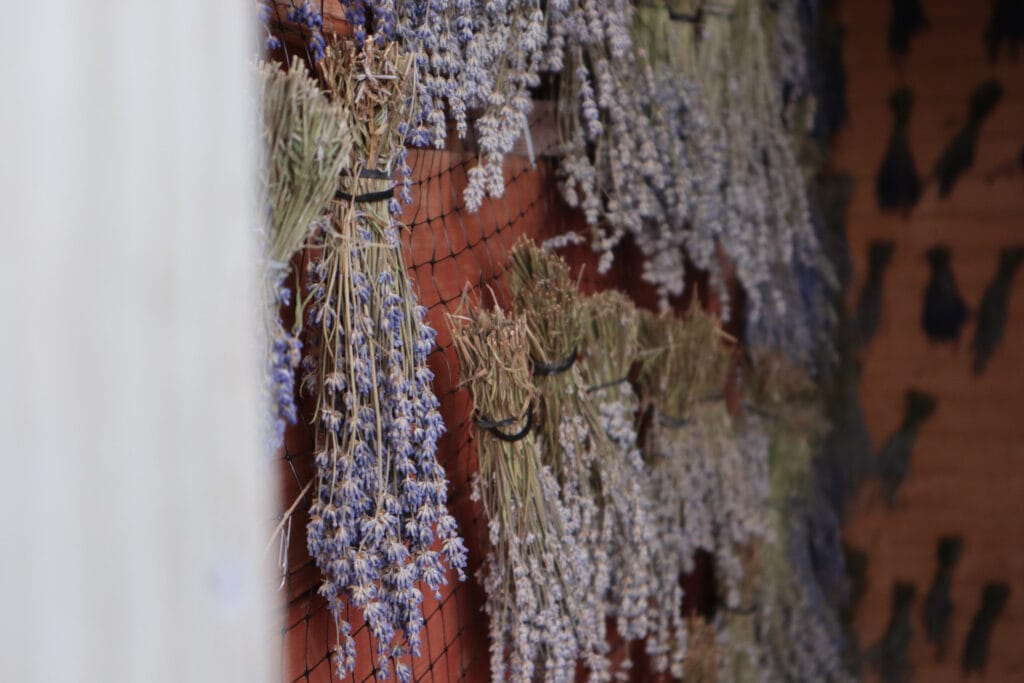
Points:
767	229
610	333
617	165
379	502
306	144
602	481
710	490
668	31
799	627
536	570
702	658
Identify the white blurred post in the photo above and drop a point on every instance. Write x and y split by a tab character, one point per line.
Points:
133	489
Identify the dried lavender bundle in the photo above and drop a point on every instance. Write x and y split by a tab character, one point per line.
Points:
379	527
768	228
683	366
618	161
601	482
667	32
799	629
536	572
467	55
306	144
611	339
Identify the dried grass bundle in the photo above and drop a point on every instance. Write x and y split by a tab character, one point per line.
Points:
602	478
307	143
536	573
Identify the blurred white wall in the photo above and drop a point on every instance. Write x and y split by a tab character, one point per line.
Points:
132	488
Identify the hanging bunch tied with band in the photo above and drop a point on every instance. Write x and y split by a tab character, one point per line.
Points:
800	636
601	478
537	571
668	32
306	144
379	527
767	224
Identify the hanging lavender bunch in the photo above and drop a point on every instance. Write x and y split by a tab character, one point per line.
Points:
536	574
768	226
311	20
611	336
890	656
601	482
798	624
306	143
683	368
667	32
467	55
379	502
619	162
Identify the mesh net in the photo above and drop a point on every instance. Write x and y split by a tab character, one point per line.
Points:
447	251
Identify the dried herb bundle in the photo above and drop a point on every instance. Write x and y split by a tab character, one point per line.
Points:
958	157
907	19
894	456
938	605
668	33
601	480
944	312
898	186
767	228
306	144
995	303
993	599
620	161
890	657
869	308
798	625
537	573
379	497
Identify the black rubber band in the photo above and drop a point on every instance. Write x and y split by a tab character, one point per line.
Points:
760	412
672	422
548	369
717	13
493	427
684	18
370	173
379	196
608	385
737	610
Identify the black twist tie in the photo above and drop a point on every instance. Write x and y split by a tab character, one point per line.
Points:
684	18
368	173
672	422
494	427
607	385
714	11
378	196
557	368
752	609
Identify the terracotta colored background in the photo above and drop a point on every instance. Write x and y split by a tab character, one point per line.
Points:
967	473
